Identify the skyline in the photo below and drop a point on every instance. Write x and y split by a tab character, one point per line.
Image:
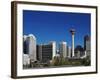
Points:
55	26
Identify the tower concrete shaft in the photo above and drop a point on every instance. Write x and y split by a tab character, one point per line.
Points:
72	32
72	45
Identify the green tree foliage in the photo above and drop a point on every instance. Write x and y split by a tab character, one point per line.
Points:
86	61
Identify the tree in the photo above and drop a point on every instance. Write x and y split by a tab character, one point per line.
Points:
86	61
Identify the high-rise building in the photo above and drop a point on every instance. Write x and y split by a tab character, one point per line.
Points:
53	43
68	51
87	45
39	52
63	49
46	52
30	46
79	51
25	45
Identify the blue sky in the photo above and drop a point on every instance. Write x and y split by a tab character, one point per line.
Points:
55	26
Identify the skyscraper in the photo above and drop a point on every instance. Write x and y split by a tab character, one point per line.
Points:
63	49
25	45
46	52
30	46
68	51
87	45
53	43
79	51
39	52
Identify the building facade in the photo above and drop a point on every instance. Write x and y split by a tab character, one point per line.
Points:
87	45
39	52
63	49
29	47
68	51
26	60
46	52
